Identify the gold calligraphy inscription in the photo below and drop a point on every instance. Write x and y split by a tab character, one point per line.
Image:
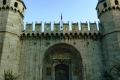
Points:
61	56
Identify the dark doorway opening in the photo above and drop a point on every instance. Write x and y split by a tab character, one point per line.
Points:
61	72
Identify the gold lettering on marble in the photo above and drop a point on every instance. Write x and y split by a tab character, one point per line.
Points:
61	56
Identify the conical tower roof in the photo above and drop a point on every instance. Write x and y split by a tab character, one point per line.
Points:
101	0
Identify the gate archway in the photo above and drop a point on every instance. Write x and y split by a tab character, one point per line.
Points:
59	56
61	72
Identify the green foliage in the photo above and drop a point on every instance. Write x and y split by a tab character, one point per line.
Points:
8	75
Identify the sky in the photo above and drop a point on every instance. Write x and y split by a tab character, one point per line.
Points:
50	11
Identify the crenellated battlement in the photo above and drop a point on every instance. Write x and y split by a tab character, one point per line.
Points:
104	6
68	29
16	6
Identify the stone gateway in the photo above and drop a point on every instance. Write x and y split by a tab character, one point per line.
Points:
60	54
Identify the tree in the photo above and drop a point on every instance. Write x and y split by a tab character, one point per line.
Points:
8	75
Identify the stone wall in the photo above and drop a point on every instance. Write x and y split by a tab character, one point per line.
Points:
11	24
34	48
110	25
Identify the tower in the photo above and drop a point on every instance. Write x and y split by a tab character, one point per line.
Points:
109	15
11	23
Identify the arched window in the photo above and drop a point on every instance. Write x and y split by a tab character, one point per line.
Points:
15	4
116	2
105	5
4	2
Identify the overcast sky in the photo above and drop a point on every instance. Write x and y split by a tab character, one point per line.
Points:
50	10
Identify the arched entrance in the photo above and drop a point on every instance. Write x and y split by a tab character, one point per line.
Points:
62	62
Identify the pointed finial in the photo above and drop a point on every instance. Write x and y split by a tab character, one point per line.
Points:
61	16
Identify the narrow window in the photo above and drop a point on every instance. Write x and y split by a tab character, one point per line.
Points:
23	9
4	2
48	71
98	10
15	4
116	2
105	5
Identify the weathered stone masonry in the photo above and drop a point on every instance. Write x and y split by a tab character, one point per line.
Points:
86	54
